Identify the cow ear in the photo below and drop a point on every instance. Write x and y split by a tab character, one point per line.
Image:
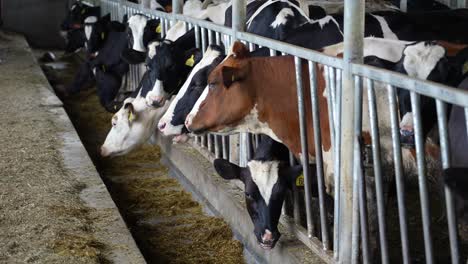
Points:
227	170
239	50
106	18
292	173
125	19
131	114
232	75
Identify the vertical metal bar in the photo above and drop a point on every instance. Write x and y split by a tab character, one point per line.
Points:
305	151
399	177
210	37
449	202
318	154
358	170
353	52
218	38
225	149
177	6
376	158
203	40
238	16
466	119
197	37
272	52
203	140
217	148
336	146
209	143
421	164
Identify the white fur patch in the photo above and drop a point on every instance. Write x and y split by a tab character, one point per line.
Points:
157	93
89	28
387	49
269	2
420	59
176	31
207	59
137	24
387	32
91	19
407	121
322	22
265	175
152	48
282	17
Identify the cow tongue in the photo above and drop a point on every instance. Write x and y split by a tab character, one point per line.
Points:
182	138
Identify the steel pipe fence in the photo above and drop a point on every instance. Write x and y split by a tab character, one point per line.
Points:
311	219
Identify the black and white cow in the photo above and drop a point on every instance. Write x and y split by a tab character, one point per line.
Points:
170	67
267	177
172	122
76	15
443	69
97	31
142	30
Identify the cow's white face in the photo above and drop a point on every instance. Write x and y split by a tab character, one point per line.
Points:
88	28
132	126
137	24
176	31
421	58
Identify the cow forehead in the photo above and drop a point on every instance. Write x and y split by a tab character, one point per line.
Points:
265	175
421	58
91	19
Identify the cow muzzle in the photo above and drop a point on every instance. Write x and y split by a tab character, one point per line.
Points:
155	101
269	239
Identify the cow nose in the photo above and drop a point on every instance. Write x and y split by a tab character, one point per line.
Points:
188	121
155	101
267	236
104	152
162	126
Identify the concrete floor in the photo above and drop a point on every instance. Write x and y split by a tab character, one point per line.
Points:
54	208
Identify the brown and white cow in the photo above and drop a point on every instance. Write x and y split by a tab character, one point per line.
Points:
258	95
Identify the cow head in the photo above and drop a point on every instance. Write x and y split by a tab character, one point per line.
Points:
76	15
75	40
142	31
96	31
132	126
266	183
172	123
426	61
168	70
228	100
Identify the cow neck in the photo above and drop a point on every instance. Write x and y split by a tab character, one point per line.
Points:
276	101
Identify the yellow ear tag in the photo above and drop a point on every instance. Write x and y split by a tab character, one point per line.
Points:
191	61
102	35
233	78
300	181
131	117
159	28
465	68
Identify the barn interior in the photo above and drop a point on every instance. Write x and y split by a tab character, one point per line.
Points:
80	185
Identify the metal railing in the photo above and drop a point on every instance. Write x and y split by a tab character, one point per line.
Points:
347	237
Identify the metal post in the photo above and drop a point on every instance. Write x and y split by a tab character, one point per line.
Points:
304	145
449	202
238	16
353	51
177	6
421	164
404	5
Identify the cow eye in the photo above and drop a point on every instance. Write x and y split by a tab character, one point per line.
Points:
248	195
211	86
